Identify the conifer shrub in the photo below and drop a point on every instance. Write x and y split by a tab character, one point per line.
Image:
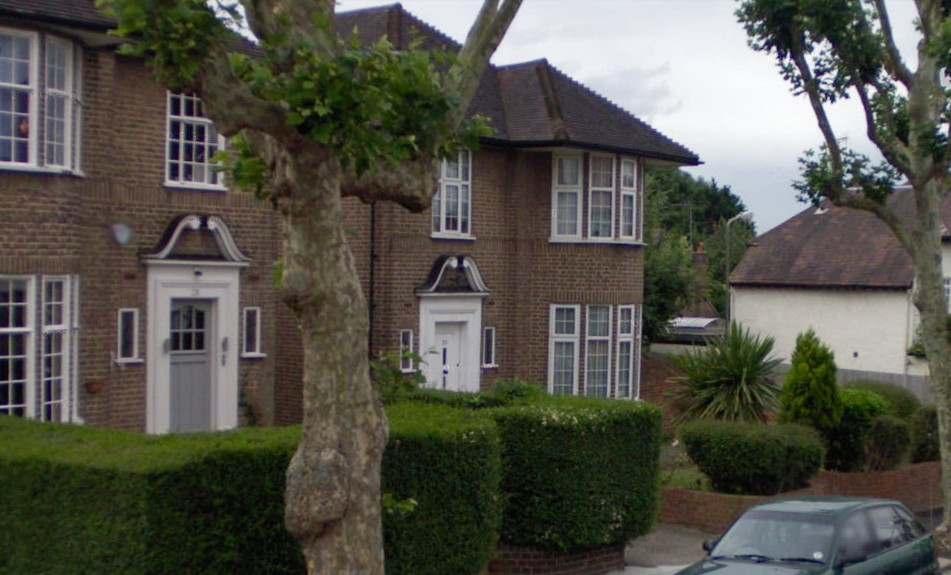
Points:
810	394
754	459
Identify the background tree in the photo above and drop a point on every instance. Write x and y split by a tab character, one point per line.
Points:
810	394
315	119
830	50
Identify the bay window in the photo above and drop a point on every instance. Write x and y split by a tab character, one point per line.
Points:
452	203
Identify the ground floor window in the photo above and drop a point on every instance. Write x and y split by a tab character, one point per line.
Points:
609	364
38	333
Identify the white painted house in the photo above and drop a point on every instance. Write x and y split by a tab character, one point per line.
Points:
843	273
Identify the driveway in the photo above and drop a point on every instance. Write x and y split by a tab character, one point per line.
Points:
664	551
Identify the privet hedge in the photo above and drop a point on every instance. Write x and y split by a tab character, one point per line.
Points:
82	500
578	473
752	458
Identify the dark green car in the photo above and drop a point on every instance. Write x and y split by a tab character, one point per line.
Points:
820	535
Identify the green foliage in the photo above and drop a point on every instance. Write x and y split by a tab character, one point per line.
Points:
730	379
753	459
447	461
578	473
668	281
391	382
901	402
79	500
810	393
517	390
887	443
846	441
924	435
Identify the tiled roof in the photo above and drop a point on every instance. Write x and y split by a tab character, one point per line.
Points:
530	104
832	247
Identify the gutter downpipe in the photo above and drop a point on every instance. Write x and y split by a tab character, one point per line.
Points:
371	300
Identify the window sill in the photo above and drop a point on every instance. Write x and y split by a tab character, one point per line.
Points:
576	240
32	169
407	371
490	366
459	237
255	355
196	187
130	361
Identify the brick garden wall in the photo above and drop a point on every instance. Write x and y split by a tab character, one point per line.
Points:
917	486
522	561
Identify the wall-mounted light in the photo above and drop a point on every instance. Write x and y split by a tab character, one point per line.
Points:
122	233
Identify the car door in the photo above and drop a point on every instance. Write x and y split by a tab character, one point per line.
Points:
885	544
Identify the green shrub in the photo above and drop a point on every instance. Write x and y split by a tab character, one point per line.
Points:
924	435
578	473
887	443
517	390
456	398
846	441
903	402
447	461
810	393
753	459
730	379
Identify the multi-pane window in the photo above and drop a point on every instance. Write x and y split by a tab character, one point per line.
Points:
488	347
563	360
188	328
452	203
566	196
37	347
35	134
629	200
192	144
598	351
128	336
947	293
601	197
251	346
407	365
611	361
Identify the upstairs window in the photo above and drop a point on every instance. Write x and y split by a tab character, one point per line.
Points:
630	210
452	204
566	196
601	198
40	103
607	188
192	143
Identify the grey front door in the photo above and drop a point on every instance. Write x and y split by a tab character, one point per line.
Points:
190	346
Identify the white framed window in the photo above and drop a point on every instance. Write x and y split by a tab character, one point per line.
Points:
407	365
252	346
488	347
452	203
37	350
192	142
947	293
127	336
628	352
566	196
630	200
601	197
598	351
34	134
564	332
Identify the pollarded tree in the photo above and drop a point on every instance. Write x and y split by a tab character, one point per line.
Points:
810	394
829	50
316	119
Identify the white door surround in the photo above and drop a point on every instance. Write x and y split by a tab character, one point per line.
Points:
176	274
455	318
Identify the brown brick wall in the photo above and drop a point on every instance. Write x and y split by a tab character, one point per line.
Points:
513	560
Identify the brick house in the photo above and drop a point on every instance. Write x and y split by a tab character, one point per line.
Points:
136	290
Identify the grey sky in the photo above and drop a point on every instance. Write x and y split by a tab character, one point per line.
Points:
684	67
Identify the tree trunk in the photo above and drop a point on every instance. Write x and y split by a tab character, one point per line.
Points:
332	501
931	303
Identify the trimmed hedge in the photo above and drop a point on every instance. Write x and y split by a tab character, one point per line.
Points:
902	402
448	462
752	458
79	500
578	473
924	435
887	443
846	441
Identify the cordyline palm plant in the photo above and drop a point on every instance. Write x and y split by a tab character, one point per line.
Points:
730	379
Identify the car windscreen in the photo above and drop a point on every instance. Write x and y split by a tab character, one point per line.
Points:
776	535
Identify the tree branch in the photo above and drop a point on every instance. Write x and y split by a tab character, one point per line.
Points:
893	149
411	185
269	19
893	60
881	211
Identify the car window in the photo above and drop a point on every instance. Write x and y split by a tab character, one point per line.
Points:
887	527
777	535
911	526
855	540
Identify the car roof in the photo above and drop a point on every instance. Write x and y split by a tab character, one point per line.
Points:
826	505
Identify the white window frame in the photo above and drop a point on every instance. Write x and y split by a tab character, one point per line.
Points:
29	332
407	364
213	179
610	190
589	339
947	292
33	90
133	336
631	193
73	105
555	337
51	330
488	348
625	334
558	188
257	350
463	181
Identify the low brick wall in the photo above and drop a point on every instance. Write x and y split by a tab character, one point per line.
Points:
917	486
513	560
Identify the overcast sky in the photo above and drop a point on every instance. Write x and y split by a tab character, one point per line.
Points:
682	66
